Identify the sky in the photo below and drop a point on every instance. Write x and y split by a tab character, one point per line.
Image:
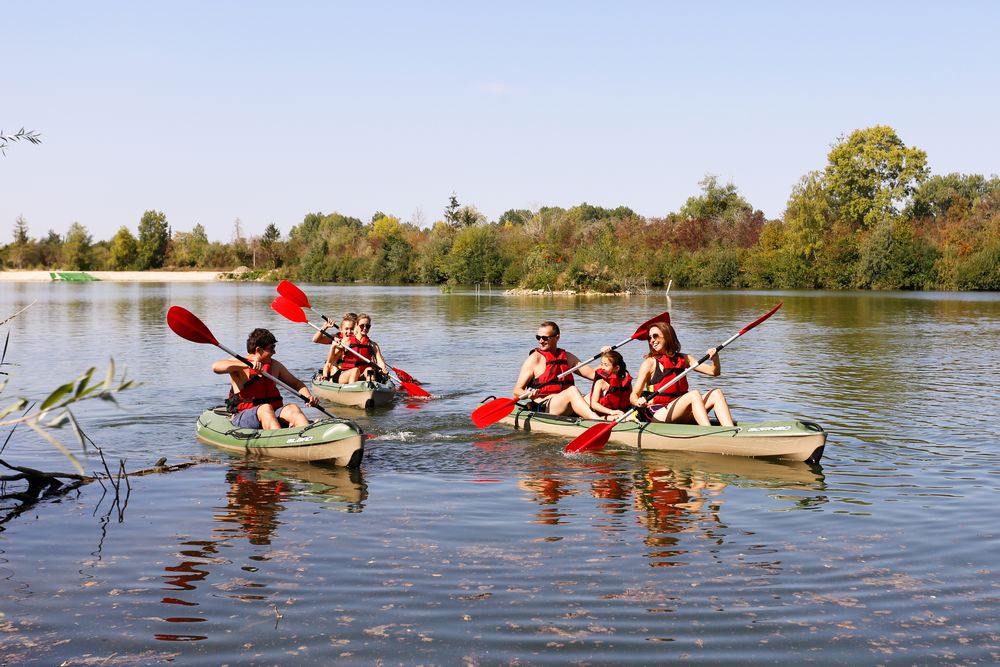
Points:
213	111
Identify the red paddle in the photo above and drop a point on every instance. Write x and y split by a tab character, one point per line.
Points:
291	292
595	437
498	408
186	325
290	310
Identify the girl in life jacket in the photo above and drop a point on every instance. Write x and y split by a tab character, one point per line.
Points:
665	402
335	354
612	388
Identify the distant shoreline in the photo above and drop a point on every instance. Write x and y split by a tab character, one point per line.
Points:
115	276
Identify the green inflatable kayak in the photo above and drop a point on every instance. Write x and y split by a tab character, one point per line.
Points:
338	440
787	440
359	394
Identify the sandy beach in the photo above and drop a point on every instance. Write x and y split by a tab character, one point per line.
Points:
117	276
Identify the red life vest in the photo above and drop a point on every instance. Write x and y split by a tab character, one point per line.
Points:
257	390
666	369
616	396
366	349
546	383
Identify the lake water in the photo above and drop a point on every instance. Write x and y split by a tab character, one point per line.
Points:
453	545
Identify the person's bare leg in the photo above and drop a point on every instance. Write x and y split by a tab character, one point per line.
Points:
294	416
689	407
571	401
716	400
268	420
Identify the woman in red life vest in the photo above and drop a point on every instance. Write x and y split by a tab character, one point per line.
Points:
335	353
612	388
677	404
258	403
378	370
538	379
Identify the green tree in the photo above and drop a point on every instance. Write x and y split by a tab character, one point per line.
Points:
49	250
807	215
892	257
123	251
515	217
871	173
20	250
475	256
451	211
716	202
76	248
154	233
270	244
953	193
190	248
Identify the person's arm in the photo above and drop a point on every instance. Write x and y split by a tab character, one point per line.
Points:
593	400
379	359
231	366
645	373
582	371
525	376
320	337
712	367
279	371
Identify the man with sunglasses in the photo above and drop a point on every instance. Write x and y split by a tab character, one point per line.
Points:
253	397
541	378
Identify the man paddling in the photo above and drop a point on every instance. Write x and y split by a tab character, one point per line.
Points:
539	379
254	397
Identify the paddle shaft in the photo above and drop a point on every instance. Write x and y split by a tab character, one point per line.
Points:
272	377
593	358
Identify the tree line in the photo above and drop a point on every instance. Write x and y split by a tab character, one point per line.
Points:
873	217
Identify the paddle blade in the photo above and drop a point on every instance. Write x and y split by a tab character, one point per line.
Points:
288	309
293	294
186	325
760	319
594	438
492	412
404	376
414	390
643	331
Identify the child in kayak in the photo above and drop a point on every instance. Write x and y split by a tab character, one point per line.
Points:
612	386
538	379
677	403
379	371
255	398
331	369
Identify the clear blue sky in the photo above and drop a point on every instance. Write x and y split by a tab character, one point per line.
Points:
211	111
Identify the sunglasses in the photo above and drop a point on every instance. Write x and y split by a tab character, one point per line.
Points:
655	336
365	327
544	338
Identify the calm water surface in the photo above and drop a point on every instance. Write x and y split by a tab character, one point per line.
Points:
456	545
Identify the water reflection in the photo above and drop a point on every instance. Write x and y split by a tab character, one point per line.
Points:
666	493
258	493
